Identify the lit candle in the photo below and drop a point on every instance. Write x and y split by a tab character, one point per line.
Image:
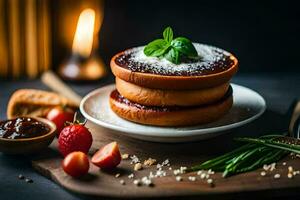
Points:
83	39
83	65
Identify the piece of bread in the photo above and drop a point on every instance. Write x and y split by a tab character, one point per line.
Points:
170	116
157	81
36	103
156	97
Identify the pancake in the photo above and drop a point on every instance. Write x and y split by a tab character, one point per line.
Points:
156	97
215	67
170	115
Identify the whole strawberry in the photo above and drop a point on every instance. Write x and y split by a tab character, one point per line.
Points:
59	116
75	137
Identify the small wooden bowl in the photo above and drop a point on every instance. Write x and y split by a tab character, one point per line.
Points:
29	145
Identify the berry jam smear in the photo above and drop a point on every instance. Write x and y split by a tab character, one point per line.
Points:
211	60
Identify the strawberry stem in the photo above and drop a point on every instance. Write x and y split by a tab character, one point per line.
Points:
77	120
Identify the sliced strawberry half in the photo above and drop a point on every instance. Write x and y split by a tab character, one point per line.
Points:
108	157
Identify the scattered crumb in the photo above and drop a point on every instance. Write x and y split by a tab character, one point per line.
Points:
122	182
290	175
192	178
284	163
277	176
178	178
273	166
28	180
166	163
202	176
199	172
296	172
130	176
125	156
138	166
147	181
181	170
210	182
160	173
137	182
266	167
263	173
117	175
134	159
149	162
270	167
21	177
176	172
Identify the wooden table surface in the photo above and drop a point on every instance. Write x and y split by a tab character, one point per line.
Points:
278	90
101	184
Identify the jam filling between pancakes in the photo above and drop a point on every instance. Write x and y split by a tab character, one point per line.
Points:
119	98
212	60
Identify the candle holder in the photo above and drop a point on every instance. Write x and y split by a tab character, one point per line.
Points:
79	68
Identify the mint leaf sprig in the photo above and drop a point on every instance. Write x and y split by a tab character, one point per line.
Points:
174	50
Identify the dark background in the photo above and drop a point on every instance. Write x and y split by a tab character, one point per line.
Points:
264	35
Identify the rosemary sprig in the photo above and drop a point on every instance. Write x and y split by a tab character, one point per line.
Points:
272	143
264	150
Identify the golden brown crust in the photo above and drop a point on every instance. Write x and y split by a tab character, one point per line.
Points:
173	82
35	103
156	97
181	117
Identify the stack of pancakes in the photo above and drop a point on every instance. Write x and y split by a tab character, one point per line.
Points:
154	91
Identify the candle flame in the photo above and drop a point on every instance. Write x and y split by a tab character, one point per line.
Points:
83	39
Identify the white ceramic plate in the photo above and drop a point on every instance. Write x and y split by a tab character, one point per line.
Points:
247	106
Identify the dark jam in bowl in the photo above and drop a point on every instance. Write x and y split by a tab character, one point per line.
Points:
211	60
23	127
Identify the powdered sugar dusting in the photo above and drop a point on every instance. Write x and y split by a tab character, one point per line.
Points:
211	60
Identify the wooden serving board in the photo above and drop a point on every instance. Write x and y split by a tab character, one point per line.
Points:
101	183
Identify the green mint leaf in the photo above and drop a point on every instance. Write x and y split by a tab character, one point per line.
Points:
173	56
174	50
156	48
184	46
168	34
